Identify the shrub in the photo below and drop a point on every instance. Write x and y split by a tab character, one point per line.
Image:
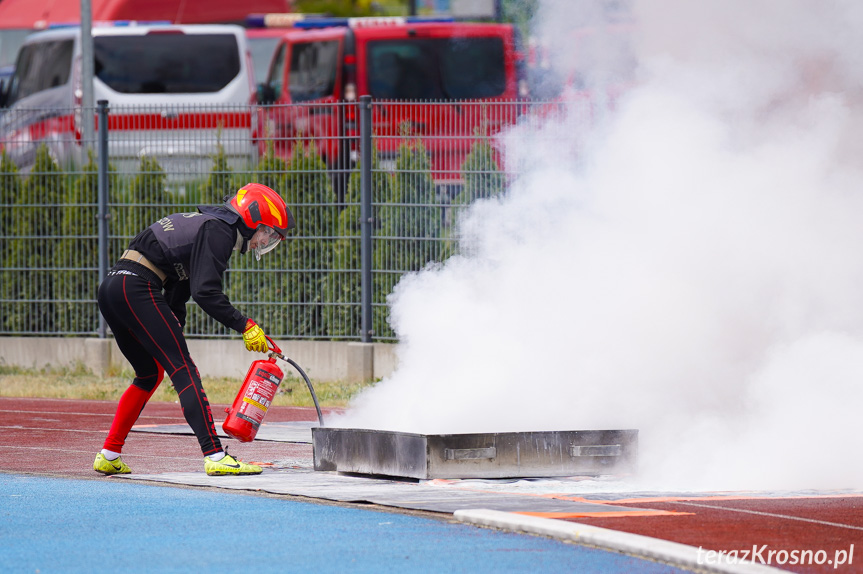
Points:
482	179
10	277
221	180
271	170
33	251
284	291
309	254
145	202
343	317
409	236
78	253
481	173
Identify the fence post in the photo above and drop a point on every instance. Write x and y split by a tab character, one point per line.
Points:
366	218
103	202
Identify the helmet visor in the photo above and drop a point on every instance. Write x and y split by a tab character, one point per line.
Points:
264	240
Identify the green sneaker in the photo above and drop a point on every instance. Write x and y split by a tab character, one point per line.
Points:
229	465
109	467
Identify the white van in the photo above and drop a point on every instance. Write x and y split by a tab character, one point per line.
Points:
175	93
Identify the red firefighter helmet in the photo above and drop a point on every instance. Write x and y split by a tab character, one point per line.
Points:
259	205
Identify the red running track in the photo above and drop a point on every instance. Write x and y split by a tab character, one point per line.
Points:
60	437
805	529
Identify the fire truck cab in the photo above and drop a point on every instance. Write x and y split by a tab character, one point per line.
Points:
325	63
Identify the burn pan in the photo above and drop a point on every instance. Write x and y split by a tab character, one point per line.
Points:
475	455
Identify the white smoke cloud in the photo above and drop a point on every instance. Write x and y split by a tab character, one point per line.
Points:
696	275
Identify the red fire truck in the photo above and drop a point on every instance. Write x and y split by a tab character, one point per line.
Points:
467	77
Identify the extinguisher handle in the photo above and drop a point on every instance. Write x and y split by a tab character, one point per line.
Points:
276	352
273	345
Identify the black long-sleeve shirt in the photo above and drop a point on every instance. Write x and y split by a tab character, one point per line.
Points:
213	246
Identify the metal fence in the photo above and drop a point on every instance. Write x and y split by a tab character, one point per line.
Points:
375	187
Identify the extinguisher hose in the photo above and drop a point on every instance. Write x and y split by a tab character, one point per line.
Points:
277	352
309	384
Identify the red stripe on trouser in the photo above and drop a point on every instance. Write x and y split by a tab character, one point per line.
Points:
200	394
129	409
148	327
167	360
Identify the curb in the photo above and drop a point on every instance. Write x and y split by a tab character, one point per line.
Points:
606	539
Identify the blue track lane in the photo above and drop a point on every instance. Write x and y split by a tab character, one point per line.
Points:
63	525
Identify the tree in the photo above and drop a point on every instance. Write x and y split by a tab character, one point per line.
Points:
247	279
140	206
78	253
221	180
343	288
309	257
481	174
482	179
33	250
271	170
409	236
352	8
10	277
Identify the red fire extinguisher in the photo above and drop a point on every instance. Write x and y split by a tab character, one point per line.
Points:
256	394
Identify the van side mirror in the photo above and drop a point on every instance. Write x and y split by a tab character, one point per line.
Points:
6	74
265	94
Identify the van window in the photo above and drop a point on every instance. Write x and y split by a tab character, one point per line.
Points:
437	69
277	72
41	66
313	70
166	63
262	50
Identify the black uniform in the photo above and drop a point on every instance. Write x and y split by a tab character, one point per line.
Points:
147	317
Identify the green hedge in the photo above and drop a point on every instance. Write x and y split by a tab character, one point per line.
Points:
308	288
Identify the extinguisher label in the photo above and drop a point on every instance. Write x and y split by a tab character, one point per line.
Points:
254	402
255	398
259	396
268	376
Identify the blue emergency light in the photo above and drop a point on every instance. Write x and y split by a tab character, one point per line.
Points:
110	23
370	21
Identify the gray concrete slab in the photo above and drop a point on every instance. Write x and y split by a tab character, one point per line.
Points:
294	431
394	493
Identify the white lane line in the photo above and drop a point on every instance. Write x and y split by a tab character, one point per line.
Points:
22	427
634	544
125	455
771	514
47	412
19	427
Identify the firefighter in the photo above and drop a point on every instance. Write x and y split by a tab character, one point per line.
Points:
143	299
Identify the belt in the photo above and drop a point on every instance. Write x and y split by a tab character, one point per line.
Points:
138	257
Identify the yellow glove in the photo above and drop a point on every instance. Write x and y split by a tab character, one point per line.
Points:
254	338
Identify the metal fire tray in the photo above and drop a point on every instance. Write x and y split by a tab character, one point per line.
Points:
483	455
